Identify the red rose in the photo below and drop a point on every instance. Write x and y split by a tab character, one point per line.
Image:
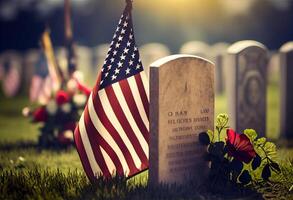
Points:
62	97
40	115
239	146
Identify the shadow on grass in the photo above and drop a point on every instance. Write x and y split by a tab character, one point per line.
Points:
42	183
24	145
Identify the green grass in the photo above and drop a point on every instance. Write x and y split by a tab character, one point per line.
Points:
13	126
30	173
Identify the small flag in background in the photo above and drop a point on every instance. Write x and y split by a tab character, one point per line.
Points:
47	78
112	136
41	84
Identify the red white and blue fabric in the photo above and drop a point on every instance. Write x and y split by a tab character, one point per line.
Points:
11	79
41	87
112	136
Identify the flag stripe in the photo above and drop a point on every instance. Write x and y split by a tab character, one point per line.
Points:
130	118
138	102
95	144
121	139
131	104
145	84
87	146
125	124
108	139
97	141
82	154
111	166
142	93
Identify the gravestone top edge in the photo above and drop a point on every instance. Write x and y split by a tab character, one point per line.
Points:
164	60
194	45
237	47
288	46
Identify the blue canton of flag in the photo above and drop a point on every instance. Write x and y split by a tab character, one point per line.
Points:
122	60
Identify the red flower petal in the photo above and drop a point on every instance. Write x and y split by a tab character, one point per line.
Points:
62	97
239	146
40	115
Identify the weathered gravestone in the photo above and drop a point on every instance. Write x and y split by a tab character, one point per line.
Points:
217	54
246	70
181	106
286	58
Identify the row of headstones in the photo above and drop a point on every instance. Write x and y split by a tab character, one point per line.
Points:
182	102
89	58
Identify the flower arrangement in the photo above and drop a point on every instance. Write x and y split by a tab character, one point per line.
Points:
60	114
237	159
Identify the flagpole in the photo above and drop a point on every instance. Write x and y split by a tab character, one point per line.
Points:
129	4
68	34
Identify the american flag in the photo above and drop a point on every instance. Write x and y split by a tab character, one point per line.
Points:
41	84
47	78
112	136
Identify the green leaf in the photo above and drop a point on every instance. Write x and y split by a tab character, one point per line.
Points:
275	166
270	149
251	134
261	141
245	177
204	138
256	162
236	165
266	172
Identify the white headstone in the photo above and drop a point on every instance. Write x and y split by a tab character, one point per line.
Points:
181	106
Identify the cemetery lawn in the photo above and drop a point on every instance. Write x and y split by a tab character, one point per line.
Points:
30	173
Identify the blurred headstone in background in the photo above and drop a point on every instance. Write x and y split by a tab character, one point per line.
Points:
61	57
246	65
286	61
12	70
30	60
197	48
151	52
217	54
100	53
273	64
84	63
